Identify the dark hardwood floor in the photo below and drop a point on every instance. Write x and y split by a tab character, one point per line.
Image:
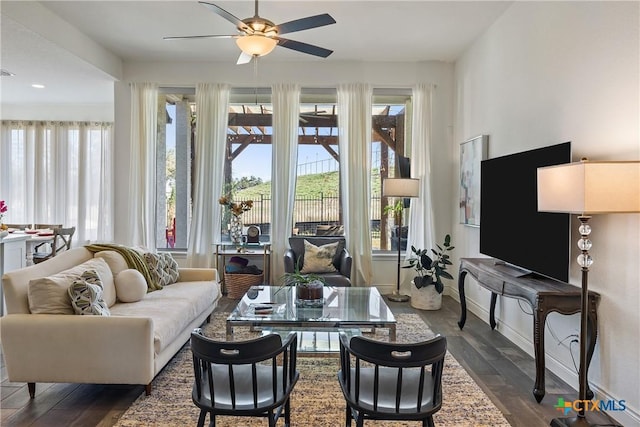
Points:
502	370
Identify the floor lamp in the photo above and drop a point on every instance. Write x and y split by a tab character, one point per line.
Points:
405	188
587	188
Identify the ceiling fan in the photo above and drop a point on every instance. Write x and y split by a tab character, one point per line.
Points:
258	36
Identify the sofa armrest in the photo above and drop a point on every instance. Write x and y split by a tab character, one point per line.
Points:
198	274
345	263
289	261
78	349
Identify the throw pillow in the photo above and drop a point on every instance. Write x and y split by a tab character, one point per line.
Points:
48	295
116	262
319	259
163	268
86	295
131	285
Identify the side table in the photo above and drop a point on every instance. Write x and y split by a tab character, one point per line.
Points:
222	250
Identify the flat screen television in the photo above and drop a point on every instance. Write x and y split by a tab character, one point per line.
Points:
511	228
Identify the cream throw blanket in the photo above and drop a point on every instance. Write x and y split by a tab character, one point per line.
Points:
134	260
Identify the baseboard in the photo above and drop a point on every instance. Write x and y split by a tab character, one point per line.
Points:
626	417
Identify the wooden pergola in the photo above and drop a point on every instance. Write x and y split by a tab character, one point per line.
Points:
252	124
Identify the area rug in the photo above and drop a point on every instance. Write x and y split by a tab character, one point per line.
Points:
316	400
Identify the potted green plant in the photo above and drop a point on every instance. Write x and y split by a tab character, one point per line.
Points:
427	284
309	292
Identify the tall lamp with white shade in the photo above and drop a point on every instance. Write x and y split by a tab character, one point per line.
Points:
586	188
404	188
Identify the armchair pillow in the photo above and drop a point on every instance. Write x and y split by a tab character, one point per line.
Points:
319	259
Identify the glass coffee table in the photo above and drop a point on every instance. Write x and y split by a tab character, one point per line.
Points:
273	309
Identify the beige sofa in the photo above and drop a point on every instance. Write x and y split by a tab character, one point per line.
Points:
128	347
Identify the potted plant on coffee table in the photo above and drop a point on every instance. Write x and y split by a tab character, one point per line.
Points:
426	292
309	287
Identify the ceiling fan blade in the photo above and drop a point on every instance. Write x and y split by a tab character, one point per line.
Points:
303	47
305	23
226	15
208	36
244	58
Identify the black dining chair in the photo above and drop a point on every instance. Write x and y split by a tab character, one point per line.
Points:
61	242
251	378
391	381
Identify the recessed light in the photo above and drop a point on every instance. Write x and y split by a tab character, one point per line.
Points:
38	86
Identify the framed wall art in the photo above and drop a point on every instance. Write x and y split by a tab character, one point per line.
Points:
472	152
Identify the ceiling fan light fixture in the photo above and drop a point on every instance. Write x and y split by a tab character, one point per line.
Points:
256	45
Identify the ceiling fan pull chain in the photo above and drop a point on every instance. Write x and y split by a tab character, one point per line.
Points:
255	75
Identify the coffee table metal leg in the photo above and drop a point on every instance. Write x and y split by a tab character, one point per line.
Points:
392	332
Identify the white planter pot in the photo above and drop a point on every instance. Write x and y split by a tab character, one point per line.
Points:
426	298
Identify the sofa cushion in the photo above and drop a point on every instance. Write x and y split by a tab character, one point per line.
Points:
319	259
130	285
116	262
86	295
163	268
171	308
48	295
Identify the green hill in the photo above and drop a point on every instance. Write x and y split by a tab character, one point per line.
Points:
307	186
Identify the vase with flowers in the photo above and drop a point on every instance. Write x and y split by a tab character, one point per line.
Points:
236	209
3	227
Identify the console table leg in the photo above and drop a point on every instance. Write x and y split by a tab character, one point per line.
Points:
539	319
492	310
463	302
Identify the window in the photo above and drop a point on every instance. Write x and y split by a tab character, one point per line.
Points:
58	172
173	169
317	208
247	170
388	151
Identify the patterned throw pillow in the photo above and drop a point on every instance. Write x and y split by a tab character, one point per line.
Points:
86	295
163	268
319	259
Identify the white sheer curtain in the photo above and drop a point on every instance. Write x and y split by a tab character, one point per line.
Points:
354	123
286	106
212	105
59	173
421	224
142	165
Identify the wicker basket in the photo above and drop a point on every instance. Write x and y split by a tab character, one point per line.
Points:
238	284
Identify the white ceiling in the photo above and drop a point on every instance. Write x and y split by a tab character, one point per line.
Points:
132	30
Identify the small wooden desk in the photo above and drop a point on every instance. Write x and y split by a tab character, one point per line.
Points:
544	295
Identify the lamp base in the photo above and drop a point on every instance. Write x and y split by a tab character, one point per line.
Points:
591	419
397	297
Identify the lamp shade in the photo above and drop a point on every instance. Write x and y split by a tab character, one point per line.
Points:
256	45
590	187
400	187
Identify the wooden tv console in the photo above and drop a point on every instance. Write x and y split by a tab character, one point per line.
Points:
544	295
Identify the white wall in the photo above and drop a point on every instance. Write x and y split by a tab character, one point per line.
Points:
71	113
545	73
